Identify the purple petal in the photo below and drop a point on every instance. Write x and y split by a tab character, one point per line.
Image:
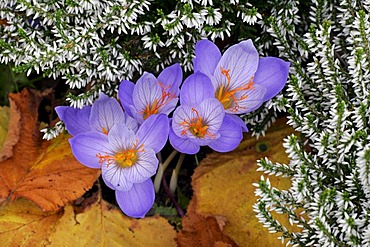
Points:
147	90
144	168
213	114
87	146
138	200
183	145
126	89
131	123
153	133
121	138
107	183
253	100
231	136
207	56
105	112
75	120
196	88
115	175
171	77
241	60
169	106
272	73
138	117
238	121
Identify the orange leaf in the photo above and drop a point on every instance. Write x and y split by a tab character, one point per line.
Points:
98	224
223	186
43	171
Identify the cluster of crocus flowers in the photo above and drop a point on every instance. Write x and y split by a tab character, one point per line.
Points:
106	138
122	139
221	87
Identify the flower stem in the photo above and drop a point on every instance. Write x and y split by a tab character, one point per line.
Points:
161	169
172	197
175	173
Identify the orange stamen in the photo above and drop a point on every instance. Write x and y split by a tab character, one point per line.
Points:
196	126
158	102
226	95
123	159
104	130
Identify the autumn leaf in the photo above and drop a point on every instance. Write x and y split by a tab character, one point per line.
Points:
98	223
223	187
202	230
4	124
43	171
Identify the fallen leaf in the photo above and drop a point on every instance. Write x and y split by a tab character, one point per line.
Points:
222	186
13	132
4	124
202	230
22	223
45	172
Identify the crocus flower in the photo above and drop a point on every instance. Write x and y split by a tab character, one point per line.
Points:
151	95
200	120
127	159
100	117
241	80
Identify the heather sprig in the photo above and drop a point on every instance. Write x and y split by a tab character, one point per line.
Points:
328	100
93	45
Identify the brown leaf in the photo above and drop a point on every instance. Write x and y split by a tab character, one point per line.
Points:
201	230
22	223
43	171
12	133
222	186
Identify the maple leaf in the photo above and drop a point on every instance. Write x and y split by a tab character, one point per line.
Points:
222	185
44	172
95	223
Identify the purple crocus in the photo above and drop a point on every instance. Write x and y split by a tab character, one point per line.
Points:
241	80
200	120
127	159
151	95
100	117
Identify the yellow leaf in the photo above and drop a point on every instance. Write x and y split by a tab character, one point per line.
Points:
223	186
4	123
22	223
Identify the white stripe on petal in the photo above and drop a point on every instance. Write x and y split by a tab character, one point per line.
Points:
212	112
115	176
